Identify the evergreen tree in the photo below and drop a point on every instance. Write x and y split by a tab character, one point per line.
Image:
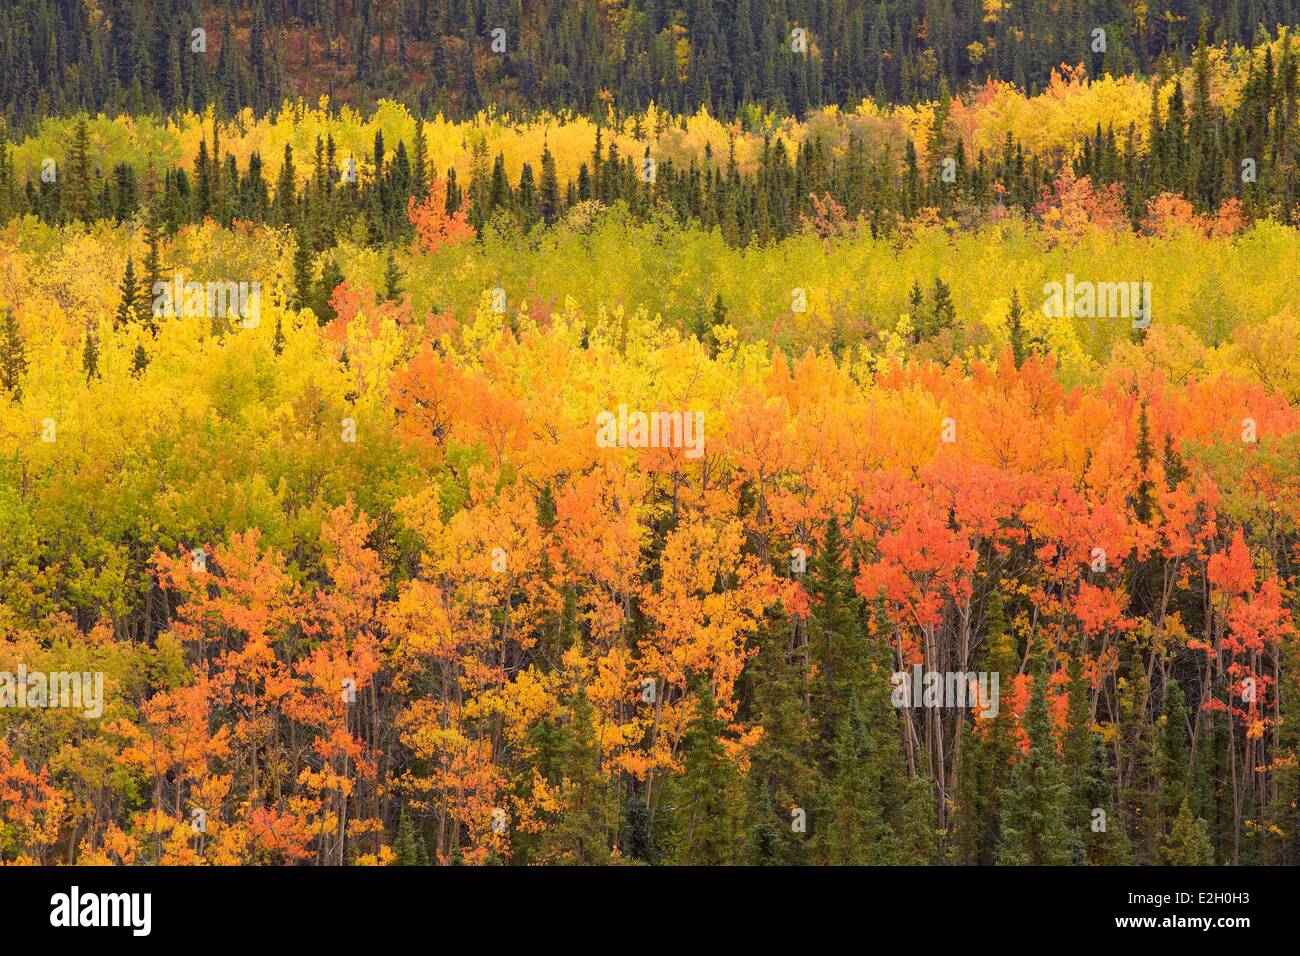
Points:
1171	755
129	303
781	774
1016	329
90	354
331	277
409	846
302	266
1035	802
580	833
1189	842
705	794
13	356
80	185
392	279
1105	841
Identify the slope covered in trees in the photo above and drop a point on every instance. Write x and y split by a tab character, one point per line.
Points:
413	482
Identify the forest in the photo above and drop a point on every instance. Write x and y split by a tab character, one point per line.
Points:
733	432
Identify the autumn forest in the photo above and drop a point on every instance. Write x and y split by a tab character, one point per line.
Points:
642	432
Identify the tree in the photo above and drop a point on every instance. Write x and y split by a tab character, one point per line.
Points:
302	266
331	277
90	354
580	834
705	795
410	848
152	266
129	304
13	356
1034	803
1188	843
80	185
436	226
1171	763
1016	329
392	279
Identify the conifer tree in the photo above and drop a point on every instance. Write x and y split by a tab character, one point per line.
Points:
302	270
130	297
152	267
80	187
580	834
1171	755
331	277
709	828
1035	802
781	775
392	279
90	354
833	628
1016	329
13	356
549	190
1104	839
1189	842
409	846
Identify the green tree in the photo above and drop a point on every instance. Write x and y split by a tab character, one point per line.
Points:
705	798
580	834
392	279
409	846
90	354
13	356
1189	841
302	271
1035	802
130	297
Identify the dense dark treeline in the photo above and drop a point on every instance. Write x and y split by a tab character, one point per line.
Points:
134	56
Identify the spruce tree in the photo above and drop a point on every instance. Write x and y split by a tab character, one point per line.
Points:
302	277
1104	839
1171	756
995	741
392	279
409	846
1016	329
1189	842
549	190
1137	796
331	277
850	825
90	354
152	263
709	821
80	187
580	834
13	356
833	628
1035	802
780	774
130	300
